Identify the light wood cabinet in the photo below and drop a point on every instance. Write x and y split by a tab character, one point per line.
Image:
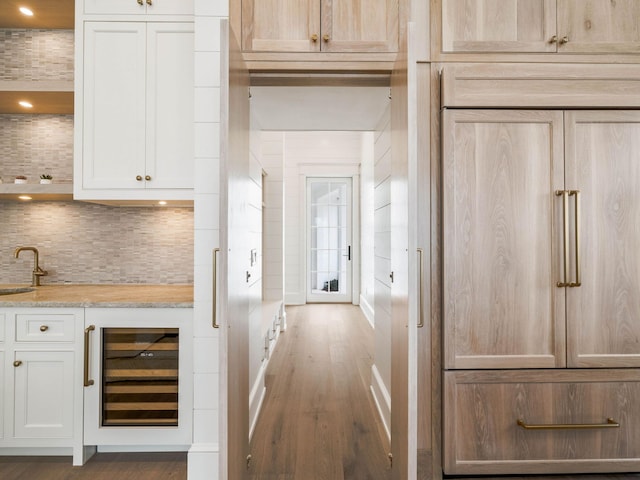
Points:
137	118
541	421
320	26
564	26
518	252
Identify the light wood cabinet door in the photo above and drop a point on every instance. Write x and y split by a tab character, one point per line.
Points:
498	25
281	25
359	25
502	308
603	313
320	25
599	26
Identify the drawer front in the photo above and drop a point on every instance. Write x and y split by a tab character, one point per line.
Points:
568	410
33	327
2	327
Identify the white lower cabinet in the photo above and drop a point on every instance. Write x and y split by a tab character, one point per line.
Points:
41	381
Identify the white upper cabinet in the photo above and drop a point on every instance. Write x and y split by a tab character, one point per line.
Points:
137	116
563	26
138	7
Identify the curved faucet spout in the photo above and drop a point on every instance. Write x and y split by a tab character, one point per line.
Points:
37	271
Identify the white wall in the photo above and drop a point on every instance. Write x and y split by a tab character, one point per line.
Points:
381	369
204	455
310	154
367	279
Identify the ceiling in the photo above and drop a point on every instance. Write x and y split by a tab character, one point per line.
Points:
319	108
57	14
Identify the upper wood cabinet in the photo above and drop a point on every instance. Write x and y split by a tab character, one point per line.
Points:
320	25
564	26
138	7
540	215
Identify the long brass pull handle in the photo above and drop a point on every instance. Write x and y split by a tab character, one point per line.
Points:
87	338
420	294
576	219
214	306
565	224
611	423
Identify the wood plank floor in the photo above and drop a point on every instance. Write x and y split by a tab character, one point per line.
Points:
102	466
318	420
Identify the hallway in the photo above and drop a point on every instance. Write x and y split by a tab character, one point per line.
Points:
319	420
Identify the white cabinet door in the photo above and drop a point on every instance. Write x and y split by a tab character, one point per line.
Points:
113	130
139	7
137	127
43	393
169	152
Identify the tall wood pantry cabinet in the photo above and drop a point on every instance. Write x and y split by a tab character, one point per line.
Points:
541	278
320	26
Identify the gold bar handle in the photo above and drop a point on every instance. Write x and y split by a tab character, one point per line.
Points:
214	307
611	423
576	219
565	226
420	294
87	340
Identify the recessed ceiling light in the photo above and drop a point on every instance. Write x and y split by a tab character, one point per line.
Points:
24	197
162	202
25	104
26	11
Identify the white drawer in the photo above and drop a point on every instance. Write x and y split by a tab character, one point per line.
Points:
35	327
542	421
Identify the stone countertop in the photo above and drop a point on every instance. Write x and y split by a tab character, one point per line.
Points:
106	296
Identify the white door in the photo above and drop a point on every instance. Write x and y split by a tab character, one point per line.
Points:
329	243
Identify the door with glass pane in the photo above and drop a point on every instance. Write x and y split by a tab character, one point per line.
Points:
329	247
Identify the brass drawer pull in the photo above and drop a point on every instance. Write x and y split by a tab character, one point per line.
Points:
17	363
611	423
44	328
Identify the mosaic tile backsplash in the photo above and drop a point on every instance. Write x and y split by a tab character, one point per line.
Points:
36	54
87	243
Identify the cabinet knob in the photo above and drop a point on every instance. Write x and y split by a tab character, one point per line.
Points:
139	178
564	40
140	2
149	2
17	363
553	39
314	37
44	328
326	37
147	177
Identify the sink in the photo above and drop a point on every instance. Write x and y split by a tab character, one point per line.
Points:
11	291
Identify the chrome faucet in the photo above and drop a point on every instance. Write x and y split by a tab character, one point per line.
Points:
37	271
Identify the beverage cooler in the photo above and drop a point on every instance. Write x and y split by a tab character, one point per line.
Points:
138	377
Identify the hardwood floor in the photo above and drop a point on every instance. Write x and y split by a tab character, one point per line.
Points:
102	466
318	419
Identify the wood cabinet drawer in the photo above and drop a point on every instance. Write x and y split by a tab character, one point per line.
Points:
34	327
482	435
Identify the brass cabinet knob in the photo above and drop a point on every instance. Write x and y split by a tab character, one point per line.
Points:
17	363
564	40
314	37
44	328
139	178
553	39
140	2
149	2
326	37
147	177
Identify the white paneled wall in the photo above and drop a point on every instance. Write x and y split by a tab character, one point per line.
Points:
381	369
204	458
367	278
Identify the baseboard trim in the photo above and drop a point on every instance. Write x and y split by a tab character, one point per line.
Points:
367	310
382	398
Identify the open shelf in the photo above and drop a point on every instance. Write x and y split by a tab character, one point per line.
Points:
54	97
54	191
